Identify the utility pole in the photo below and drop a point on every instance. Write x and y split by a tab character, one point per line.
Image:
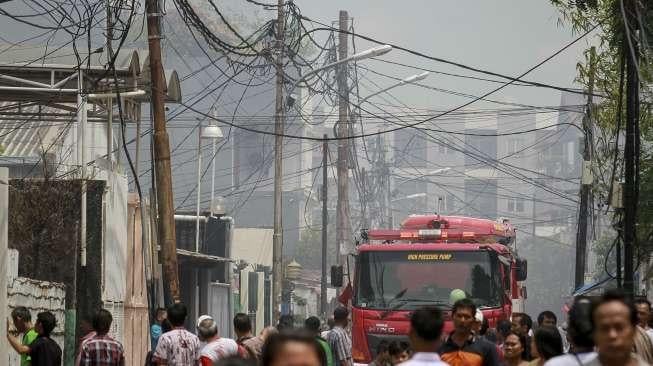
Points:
363	200
631	146
342	212
277	236
586	181
325	223
382	170
162	172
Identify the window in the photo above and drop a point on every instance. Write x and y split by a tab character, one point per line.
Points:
451	203
514	146
442	149
511	205
485	146
571	153
516	205
385	279
410	149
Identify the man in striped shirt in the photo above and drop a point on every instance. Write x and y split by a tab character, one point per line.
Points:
102	350
338	338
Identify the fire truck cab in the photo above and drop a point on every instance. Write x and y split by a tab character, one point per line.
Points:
431	261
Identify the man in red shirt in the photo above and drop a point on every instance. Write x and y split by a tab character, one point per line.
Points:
102	350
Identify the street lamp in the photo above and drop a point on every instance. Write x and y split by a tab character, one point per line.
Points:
278	162
213	133
410	197
439	171
409	80
372	52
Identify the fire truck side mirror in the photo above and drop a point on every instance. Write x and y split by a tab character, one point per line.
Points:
522	269
337	276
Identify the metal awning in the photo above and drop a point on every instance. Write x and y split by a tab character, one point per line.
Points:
30	73
587	288
200	259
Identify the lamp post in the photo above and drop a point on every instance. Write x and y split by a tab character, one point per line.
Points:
212	132
277	270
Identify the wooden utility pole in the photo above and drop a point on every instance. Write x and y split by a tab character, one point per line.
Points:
277	236
342	212
325	223
586	182
162	172
631	146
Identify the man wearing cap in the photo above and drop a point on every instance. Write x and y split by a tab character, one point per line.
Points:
479	334
197	327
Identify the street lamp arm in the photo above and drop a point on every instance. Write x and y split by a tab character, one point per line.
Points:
372	52
408	80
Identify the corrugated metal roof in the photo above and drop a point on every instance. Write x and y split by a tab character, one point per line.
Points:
200	259
27	137
28	57
32	133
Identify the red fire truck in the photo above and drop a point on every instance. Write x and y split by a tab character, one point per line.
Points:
431	261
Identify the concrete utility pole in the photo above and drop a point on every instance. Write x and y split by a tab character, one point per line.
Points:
631	147
342	212
325	223
277	236
586	182
162	172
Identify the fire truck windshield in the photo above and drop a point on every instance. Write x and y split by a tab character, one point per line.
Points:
418	278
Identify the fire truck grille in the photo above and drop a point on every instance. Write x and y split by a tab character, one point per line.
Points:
373	341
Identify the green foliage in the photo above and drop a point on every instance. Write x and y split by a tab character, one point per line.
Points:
609	111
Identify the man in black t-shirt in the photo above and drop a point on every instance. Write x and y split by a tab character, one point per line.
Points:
44	351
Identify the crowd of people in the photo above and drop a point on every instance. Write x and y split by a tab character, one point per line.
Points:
609	331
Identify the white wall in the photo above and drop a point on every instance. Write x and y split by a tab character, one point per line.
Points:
115	239
252	245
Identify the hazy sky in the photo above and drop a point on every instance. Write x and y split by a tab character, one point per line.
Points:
507	36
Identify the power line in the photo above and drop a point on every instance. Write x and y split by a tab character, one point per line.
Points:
401	127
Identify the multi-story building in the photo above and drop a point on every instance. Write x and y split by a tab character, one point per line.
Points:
522	164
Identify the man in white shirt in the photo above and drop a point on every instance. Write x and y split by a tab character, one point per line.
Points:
177	347
580	333
216	348
615	320
425	331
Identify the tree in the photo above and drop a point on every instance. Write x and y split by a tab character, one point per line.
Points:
609	110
